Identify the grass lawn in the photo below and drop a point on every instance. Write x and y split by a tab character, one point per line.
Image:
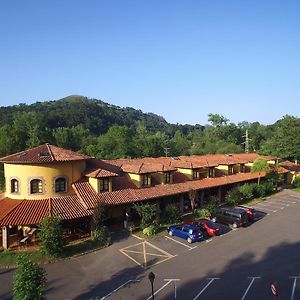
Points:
297	189
9	258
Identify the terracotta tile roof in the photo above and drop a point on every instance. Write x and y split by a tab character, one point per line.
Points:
27	212
290	166
145	167
122	182
7	205
90	198
100	173
45	153
68	207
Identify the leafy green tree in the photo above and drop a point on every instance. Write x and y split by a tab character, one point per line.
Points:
285	143
260	165
147	212
217	120
29	281
51	235
233	197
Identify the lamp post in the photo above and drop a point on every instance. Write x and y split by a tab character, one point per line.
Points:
151	277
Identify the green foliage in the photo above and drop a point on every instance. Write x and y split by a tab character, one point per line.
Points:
212	205
201	213
51	235
260	165
246	191
269	188
29	281
101	236
147	212
259	190
296	182
233	197
151	229
172	214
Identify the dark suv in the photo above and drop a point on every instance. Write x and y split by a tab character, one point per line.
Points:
234	217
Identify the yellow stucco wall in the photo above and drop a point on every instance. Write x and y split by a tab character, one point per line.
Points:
159	177
223	168
187	172
95	183
72	171
135	179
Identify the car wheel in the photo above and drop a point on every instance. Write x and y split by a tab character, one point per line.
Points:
234	226
214	219
189	240
170	233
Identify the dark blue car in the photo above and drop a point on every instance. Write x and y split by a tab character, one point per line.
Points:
187	232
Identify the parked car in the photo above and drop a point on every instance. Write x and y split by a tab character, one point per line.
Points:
206	226
250	212
234	217
187	232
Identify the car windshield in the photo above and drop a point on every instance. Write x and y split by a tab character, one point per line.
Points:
212	224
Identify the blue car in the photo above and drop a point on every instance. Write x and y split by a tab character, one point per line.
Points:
187	232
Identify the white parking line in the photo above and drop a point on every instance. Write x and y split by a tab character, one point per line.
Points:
276	205
293	197
294	286
115	290
288	201
211	280
187	246
171	280
268	205
249	286
281	203
265	208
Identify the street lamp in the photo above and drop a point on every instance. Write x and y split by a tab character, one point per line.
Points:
151	277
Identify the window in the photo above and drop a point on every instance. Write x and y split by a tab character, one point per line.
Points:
242	168
196	174
146	180
36	186
104	185
14	186
230	169
211	172
60	185
167	177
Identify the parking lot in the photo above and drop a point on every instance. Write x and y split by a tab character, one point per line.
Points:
239	264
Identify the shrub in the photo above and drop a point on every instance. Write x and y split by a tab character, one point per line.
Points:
246	191
269	188
212	204
147	212
296	182
101	236
51	235
172	214
259	190
233	197
151	230
201	213
29	281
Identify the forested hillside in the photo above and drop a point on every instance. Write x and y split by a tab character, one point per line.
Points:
108	131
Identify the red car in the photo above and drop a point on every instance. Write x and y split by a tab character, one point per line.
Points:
250	212
206	225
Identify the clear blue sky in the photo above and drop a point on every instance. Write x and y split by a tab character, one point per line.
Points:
179	59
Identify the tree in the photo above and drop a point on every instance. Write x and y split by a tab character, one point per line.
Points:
100	232
285	142
217	120
147	212
51	235
29	281
260	165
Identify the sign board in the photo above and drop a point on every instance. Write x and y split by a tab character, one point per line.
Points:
274	289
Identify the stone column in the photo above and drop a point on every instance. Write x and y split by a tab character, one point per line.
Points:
201	198
5	237
220	194
181	203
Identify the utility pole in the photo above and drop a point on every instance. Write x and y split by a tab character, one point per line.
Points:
246	143
166	150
